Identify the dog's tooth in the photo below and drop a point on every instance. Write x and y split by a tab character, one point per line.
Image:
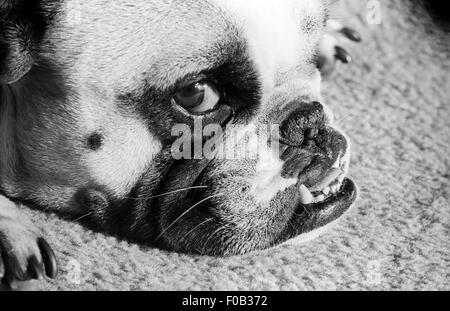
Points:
305	195
320	198
335	187
337	164
331	176
326	191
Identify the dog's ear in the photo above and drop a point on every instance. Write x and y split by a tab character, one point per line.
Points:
22	25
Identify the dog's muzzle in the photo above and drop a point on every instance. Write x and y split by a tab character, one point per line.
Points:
316	154
216	197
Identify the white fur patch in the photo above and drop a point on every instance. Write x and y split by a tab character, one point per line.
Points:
124	157
127	150
7	208
268	182
267	24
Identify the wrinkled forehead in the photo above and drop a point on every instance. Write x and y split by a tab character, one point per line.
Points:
164	40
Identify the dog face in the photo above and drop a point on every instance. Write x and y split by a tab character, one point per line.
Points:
95	92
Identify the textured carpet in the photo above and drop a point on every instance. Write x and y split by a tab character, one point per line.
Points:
394	103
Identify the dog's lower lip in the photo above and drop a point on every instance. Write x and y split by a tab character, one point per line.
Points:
307	218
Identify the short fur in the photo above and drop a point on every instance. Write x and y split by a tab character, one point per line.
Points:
86	119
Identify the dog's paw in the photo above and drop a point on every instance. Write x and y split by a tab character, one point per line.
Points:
331	47
25	255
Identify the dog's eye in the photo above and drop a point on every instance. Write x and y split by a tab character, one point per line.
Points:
200	97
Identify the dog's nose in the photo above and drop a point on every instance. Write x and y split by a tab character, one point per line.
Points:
303	124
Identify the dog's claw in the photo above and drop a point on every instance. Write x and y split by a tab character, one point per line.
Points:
351	34
49	259
331	49
35	268
14	275
342	55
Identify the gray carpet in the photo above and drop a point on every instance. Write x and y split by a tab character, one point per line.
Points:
394	103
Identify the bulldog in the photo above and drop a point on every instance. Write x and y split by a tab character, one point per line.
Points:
92	90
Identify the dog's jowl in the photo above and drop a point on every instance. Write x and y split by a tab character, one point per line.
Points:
96	96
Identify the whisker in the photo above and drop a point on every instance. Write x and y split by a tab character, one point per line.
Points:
306	210
195	228
349	117
185	213
210	237
171	192
84	216
365	189
291	223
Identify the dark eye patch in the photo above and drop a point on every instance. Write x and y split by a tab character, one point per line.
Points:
233	74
